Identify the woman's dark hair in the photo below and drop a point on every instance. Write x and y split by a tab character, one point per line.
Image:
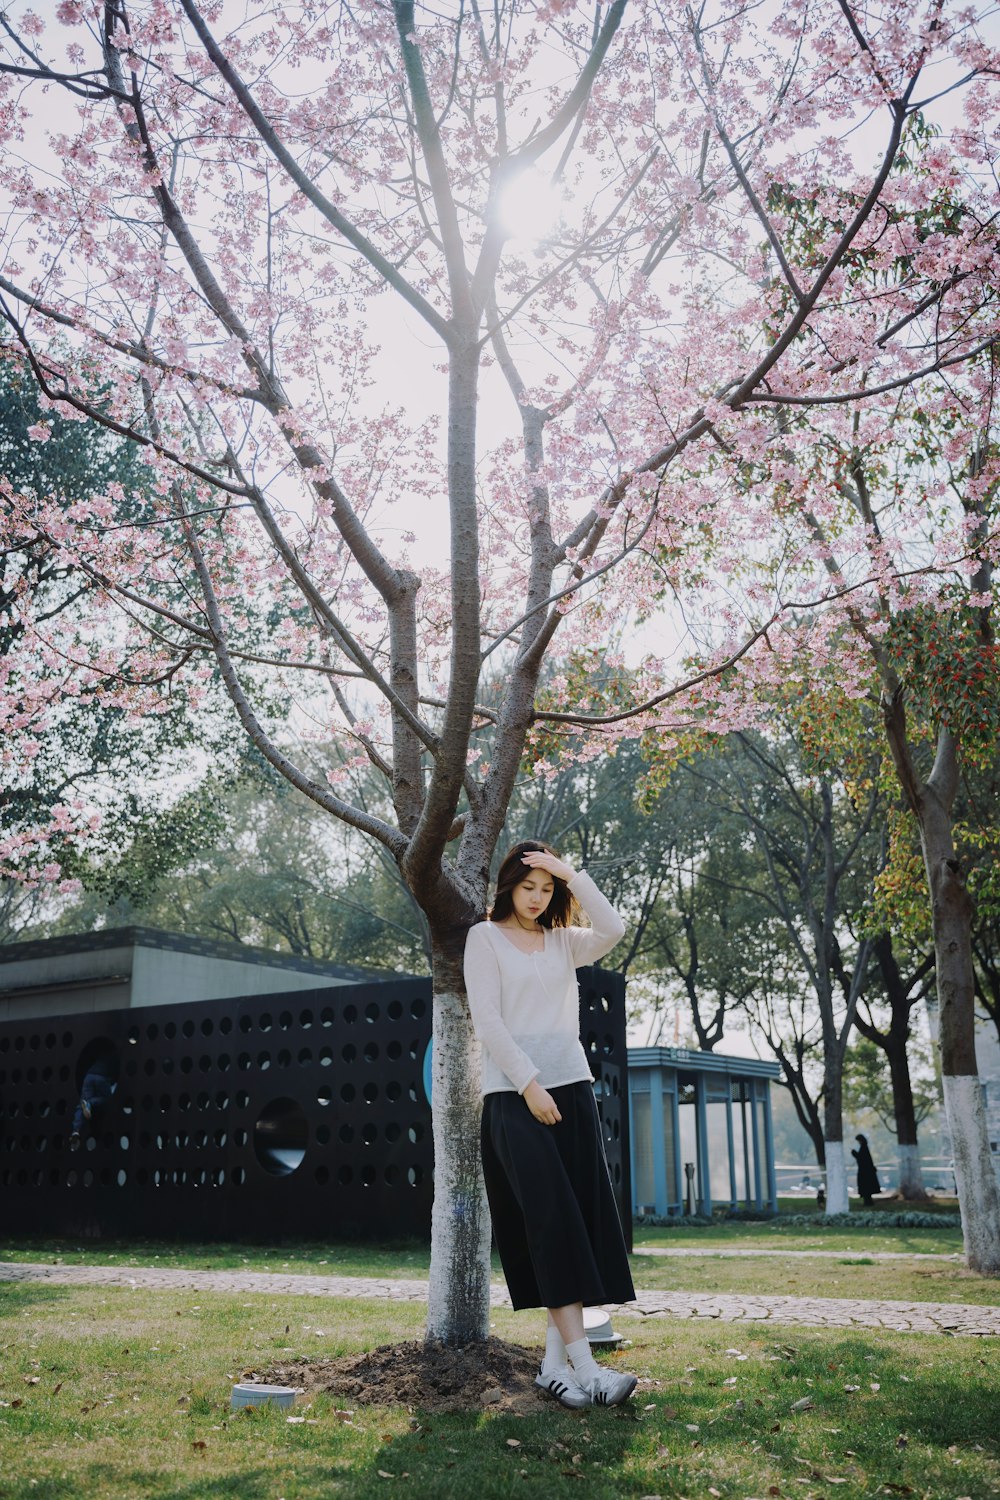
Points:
561	909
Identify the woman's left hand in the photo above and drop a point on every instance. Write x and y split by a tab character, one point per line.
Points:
538	859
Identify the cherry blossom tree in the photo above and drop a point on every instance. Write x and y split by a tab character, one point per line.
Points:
258	224
69	796
934	650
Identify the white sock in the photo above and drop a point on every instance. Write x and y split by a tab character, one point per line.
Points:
555	1350
583	1362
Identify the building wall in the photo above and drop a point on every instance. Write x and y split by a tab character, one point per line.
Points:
291	1113
708	1109
65	984
76	982
163	977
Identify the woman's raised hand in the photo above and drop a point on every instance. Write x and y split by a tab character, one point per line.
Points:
539	859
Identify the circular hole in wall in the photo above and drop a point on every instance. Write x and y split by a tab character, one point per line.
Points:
280	1137
100	1059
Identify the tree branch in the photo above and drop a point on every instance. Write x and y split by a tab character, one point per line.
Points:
304	183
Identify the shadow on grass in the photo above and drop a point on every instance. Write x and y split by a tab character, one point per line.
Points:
920	1419
131	1484
477	1457
17	1296
907	1418
448	1458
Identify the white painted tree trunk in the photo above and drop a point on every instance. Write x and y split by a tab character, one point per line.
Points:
975	1173
911	1173
951	912
837	1201
458	1306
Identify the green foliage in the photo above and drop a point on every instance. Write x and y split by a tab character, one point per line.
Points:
157	784
900	904
85	739
586	684
812	217
695	1221
79	459
952	675
161	842
836	734
243	857
644	849
867	1085
672	1221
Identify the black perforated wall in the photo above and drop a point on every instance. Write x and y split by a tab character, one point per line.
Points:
287	1114
602	1031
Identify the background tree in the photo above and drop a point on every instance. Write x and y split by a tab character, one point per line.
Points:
87	763
224	201
891	1042
645	845
868	1090
245	858
915	479
810	836
939	687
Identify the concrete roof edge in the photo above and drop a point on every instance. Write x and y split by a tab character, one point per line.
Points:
177	942
704	1062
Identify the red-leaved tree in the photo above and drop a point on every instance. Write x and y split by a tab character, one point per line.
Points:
399	451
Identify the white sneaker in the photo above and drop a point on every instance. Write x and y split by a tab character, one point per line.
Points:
563	1385
608	1388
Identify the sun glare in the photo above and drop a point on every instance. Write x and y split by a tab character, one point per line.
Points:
529	206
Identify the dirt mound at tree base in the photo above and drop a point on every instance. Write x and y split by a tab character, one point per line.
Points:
431	1377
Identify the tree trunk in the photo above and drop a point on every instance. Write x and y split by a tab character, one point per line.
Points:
951	910
837	1201
911	1173
911	1181
834	1047
975	1175
902	998
459	1293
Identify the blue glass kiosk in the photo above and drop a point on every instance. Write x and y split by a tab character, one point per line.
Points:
700	1128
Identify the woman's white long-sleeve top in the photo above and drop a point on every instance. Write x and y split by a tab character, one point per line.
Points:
525	1006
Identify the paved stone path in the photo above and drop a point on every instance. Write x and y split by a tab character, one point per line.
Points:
812	1312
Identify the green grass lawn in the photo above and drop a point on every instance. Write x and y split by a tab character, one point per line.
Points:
111	1394
402	1259
852	1274
776	1235
411	1258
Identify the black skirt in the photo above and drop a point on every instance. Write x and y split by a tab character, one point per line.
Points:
555	1219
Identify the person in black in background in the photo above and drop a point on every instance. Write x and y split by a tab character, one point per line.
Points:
867	1175
99	1083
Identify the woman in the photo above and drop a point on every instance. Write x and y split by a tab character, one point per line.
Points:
554	1214
867	1175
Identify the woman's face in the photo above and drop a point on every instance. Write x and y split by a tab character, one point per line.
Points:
532	895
